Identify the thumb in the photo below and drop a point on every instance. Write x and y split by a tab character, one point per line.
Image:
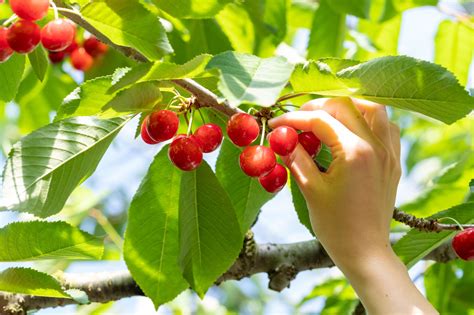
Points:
303	169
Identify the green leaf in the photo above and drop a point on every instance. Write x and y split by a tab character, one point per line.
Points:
209	232
416	244
327	33
359	8
246	193
128	23
37	240
39	62
249	79
400	81
299	202
460	40
237	25
11	72
402	5
44	167
191	9
31	282
153	223
440	276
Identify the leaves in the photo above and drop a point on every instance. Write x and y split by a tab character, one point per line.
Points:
299	202
246	193
357	8
44	167
153	224
400	81
39	62
37	240
11	72
249	79
415	244
32	282
209	233
128	23
191	9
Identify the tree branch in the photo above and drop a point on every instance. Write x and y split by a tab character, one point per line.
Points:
282	262
427	225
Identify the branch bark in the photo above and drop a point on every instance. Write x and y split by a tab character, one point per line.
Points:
282	262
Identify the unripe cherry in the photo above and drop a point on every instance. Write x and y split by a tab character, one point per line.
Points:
58	35
31	10
95	47
144	132
5	49
23	36
81	60
56	57
283	140
185	153
310	143
163	125
463	244
275	180
257	160
209	137
242	129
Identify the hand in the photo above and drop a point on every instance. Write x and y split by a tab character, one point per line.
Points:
351	205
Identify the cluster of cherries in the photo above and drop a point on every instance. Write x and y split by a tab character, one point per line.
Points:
57	36
463	244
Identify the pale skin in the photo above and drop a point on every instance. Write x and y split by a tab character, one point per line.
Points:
351	204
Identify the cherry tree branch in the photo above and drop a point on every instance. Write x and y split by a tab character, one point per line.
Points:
282	263
427	225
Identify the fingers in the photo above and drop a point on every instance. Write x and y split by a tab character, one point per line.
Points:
377	119
395	137
303	169
343	109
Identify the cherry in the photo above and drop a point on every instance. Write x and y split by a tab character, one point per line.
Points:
81	60
24	36
163	125
242	129
95	47
185	153
257	160
283	140
31	10
463	244
275	180
5	50
310	143
58	35
144	132
74	45
209	136
56	57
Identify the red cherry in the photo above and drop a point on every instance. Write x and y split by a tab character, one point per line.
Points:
5	50
463	244
283	140
81	60
74	45
24	36
310	143
57	35
257	160
275	180
242	129
209	136
163	125
31	10
56	57
144	132
185	153
95	47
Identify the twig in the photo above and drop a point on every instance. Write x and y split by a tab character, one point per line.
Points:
427	225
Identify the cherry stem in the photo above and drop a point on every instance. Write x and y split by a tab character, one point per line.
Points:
190	125
202	117
264	126
291	95
55	9
454	220
10	20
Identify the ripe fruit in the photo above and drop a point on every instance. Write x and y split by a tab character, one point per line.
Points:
310	143
56	57
23	36
163	125
209	137
144	132
185	153
57	35
95	47
242	129
81	60
31	10
283	140
5	50
463	244
275	180
74	45
257	160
